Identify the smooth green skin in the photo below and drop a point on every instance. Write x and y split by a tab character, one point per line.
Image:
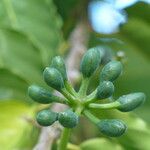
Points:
90	62
112	127
68	119
46	117
40	95
111	71
131	101
105	89
59	64
105	53
53	78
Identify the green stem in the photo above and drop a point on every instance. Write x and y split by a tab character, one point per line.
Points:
79	110
91	117
64	139
70	88
60	100
70	98
91	98
105	106
66	133
84	86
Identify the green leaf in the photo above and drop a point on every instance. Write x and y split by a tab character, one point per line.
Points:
139	10
35	18
100	143
28	39
70	11
14	129
65	7
136	70
12	86
136	139
18	55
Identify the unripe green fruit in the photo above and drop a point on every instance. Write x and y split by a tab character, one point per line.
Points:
111	71
46	117
105	89
40	94
112	127
131	101
90	62
59	64
106	54
53	78
68	119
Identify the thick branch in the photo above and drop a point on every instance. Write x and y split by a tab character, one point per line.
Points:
78	42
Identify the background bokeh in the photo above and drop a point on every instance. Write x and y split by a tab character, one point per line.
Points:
33	31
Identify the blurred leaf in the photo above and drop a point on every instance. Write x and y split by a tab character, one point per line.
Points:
14	128
136	140
25	141
18	55
28	39
135	77
37	20
141	38
138	133
100	143
139	10
20	64
71	12
66	9
136	35
11	86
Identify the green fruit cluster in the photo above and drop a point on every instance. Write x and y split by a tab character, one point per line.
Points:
47	117
81	103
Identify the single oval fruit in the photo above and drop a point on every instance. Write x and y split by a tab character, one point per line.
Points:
105	89
68	119
59	64
46	117
53	78
131	101
40	94
111	71
112	127
90	62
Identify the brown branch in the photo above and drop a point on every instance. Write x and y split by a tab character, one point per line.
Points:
78	41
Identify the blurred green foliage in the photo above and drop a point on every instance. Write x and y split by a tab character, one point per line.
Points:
28	40
100	143
30	35
14	126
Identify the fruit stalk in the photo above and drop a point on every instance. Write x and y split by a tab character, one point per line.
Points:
65	135
84	86
64	139
112	105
